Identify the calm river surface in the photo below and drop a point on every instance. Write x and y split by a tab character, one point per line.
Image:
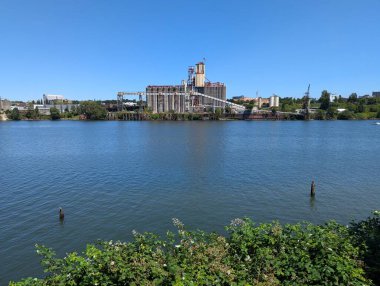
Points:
113	177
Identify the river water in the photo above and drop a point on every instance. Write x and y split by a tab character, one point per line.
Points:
114	177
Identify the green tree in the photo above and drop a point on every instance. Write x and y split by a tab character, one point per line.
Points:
325	100
29	113
352	107
15	114
353	97
74	110
331	113
361	107
36	113
371	101
218	113
54	113
92	110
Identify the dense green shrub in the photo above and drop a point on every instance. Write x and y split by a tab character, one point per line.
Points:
345	115
14	114
154	116
264	254
54	113
319	115
366	236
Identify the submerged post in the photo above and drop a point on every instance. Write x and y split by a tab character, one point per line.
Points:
312	189
61	214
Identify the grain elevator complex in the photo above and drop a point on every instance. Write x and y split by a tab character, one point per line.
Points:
196	94
166	98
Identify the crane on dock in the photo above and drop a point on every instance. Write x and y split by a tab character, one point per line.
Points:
306	103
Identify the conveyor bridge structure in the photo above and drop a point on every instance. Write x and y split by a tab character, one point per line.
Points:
177	101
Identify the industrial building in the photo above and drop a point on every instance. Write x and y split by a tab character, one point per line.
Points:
274	101
194	95
52	98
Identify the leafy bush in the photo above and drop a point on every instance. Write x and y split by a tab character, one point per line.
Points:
345	115
154	116
54	113
366	236
266	254
365	115
301	254
14	114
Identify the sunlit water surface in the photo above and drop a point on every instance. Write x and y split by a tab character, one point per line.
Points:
113	177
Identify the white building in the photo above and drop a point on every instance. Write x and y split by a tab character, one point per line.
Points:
51	98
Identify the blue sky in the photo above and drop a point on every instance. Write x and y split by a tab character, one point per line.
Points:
90	49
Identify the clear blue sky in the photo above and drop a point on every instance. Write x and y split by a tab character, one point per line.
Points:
90	49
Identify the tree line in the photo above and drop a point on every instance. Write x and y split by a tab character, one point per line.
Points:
90	110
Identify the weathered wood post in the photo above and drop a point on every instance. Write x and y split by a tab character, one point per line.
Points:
61	214
312	189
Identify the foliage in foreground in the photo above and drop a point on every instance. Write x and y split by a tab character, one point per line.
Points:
366	235
264	254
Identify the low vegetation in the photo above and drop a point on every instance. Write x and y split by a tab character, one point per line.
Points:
251	254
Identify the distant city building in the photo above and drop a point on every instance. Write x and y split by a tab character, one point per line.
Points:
61	107
376	94
273	101
243	98
42	109
52	98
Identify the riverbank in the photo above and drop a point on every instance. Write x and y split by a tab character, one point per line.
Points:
134	116
3	117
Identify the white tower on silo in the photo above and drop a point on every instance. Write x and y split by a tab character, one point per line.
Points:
200	74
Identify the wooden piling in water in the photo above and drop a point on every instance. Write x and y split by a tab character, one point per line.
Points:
312	189
61	214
